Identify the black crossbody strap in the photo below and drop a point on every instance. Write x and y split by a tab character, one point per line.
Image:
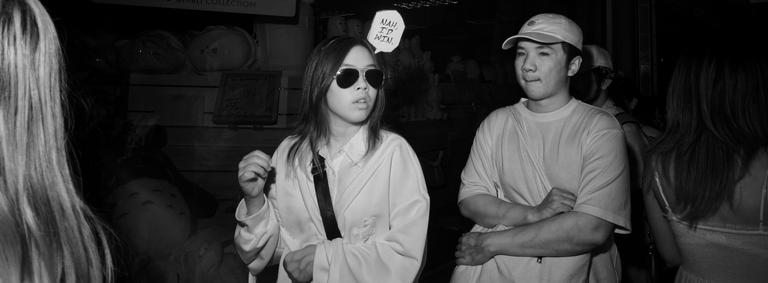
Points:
323	194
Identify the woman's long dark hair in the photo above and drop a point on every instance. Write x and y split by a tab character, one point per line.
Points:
717	122
312	128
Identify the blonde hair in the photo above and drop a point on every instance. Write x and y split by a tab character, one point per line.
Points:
47	233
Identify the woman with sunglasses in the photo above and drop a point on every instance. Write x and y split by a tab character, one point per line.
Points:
341	200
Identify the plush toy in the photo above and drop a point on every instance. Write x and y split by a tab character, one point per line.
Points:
155	52
355	28
367	27
456	69
472	69
405	56
337	26
203	258
221	48
416	47
152	218
92	52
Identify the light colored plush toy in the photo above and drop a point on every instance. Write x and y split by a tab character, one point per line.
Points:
222	48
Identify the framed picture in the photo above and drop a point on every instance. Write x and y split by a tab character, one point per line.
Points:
248	98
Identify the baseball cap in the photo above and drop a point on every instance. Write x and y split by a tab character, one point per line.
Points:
595	56
547	28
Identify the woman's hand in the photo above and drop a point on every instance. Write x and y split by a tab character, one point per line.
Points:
252	174
298	264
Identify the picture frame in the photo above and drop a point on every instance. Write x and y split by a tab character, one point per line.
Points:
248	98
279	8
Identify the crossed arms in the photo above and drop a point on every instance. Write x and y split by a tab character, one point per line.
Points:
534	235
562	224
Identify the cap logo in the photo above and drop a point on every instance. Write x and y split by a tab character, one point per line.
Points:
531	23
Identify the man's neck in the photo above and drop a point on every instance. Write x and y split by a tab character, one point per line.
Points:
549	104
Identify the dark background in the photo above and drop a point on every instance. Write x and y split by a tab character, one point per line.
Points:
644	36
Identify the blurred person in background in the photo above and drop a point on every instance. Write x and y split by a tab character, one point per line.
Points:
707	178
48	233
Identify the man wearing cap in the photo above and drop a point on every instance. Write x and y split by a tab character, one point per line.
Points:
547	178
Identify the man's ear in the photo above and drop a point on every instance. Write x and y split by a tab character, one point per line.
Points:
605	84
574	66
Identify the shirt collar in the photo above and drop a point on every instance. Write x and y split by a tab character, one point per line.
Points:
357	145
354	149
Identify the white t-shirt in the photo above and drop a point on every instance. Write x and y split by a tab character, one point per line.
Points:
519	155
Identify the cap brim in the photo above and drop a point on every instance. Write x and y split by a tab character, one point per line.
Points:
535	36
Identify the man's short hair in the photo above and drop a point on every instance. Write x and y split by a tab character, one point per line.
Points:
570	52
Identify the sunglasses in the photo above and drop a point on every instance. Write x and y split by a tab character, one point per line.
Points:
603	72
346	77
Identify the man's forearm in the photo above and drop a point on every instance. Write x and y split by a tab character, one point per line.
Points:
567	234
489	211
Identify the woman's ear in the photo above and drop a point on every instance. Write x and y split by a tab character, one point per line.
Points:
574	65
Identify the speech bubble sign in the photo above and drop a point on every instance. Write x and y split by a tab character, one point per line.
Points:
386	30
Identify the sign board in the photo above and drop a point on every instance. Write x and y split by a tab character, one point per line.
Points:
247	98
386	30
281	8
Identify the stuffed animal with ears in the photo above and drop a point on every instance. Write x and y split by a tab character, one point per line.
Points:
152	218
152	52
337	26
222	48
168	225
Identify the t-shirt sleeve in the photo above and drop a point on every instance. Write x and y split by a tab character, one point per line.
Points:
476	176
604	187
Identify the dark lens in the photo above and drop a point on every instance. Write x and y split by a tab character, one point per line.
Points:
347	77
374	77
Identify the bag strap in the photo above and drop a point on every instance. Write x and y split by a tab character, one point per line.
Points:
323	194
271	175
627	118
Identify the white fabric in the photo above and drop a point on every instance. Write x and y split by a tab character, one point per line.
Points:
579	148
381	206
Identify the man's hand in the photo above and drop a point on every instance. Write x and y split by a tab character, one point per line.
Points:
298	264
473	249
557	201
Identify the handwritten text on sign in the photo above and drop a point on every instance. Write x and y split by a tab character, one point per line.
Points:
386	30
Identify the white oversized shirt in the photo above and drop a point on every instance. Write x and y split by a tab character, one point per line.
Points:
381	206
519	156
